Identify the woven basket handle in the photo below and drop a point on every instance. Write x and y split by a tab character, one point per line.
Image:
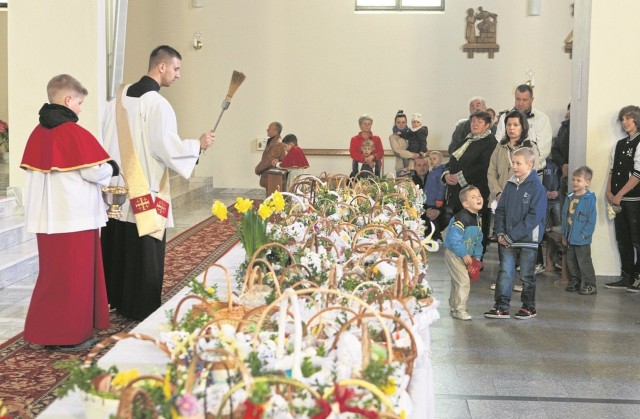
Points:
129	396
291	301
175	319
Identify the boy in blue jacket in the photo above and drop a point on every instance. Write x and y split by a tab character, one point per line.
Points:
578	223
463	243
519	225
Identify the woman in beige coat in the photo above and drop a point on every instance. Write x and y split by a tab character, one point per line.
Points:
516	130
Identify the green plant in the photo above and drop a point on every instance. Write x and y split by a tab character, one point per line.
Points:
83	378
252	229
378	373
307	367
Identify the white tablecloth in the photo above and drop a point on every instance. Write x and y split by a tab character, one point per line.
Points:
147	358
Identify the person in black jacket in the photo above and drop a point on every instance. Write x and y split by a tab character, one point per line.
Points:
623	190
560	153
468	165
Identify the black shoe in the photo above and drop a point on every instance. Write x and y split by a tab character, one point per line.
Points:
635	287
572	288
618	285
589	290
87	344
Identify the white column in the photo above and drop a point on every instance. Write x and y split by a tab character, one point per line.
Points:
604	69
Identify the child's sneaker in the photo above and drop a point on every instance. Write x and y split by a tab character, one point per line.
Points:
588	290
496	313
525	313
517	288
460	315
493	286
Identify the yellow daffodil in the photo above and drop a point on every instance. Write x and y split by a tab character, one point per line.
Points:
210	290
411	210
219	210
243	205
121	379
278	201
403	414
265	211
166	388
390	388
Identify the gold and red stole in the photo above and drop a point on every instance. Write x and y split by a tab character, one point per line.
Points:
150	214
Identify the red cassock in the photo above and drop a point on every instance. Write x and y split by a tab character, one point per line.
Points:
295	158
69	299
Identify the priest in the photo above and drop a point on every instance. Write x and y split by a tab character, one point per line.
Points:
140	133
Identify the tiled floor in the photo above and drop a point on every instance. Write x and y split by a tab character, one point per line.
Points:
580	358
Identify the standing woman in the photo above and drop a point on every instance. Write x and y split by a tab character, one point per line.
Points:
516	132
468	165
365	122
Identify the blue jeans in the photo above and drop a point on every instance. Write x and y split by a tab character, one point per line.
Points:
527	258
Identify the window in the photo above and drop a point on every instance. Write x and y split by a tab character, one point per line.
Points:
400	5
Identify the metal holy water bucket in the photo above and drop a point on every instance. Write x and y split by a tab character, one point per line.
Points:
114	196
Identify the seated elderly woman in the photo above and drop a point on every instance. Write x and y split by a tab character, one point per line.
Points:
365	122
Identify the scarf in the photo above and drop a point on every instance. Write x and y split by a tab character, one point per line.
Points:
468	140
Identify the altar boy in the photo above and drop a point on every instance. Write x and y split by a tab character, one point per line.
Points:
65	167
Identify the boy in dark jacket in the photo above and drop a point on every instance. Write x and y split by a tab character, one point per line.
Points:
578	223
519	224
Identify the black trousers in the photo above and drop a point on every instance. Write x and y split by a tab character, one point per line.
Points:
627	227
133	268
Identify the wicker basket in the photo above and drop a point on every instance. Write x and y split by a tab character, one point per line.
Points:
406	355
274	382
384	401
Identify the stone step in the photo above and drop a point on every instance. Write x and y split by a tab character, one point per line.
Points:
18	262
195	187
6	206
13	231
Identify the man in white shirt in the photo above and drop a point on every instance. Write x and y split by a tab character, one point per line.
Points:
539	125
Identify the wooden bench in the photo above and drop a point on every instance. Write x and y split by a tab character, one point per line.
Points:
345	152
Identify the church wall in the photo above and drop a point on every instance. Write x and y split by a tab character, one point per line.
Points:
47	38
316	66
